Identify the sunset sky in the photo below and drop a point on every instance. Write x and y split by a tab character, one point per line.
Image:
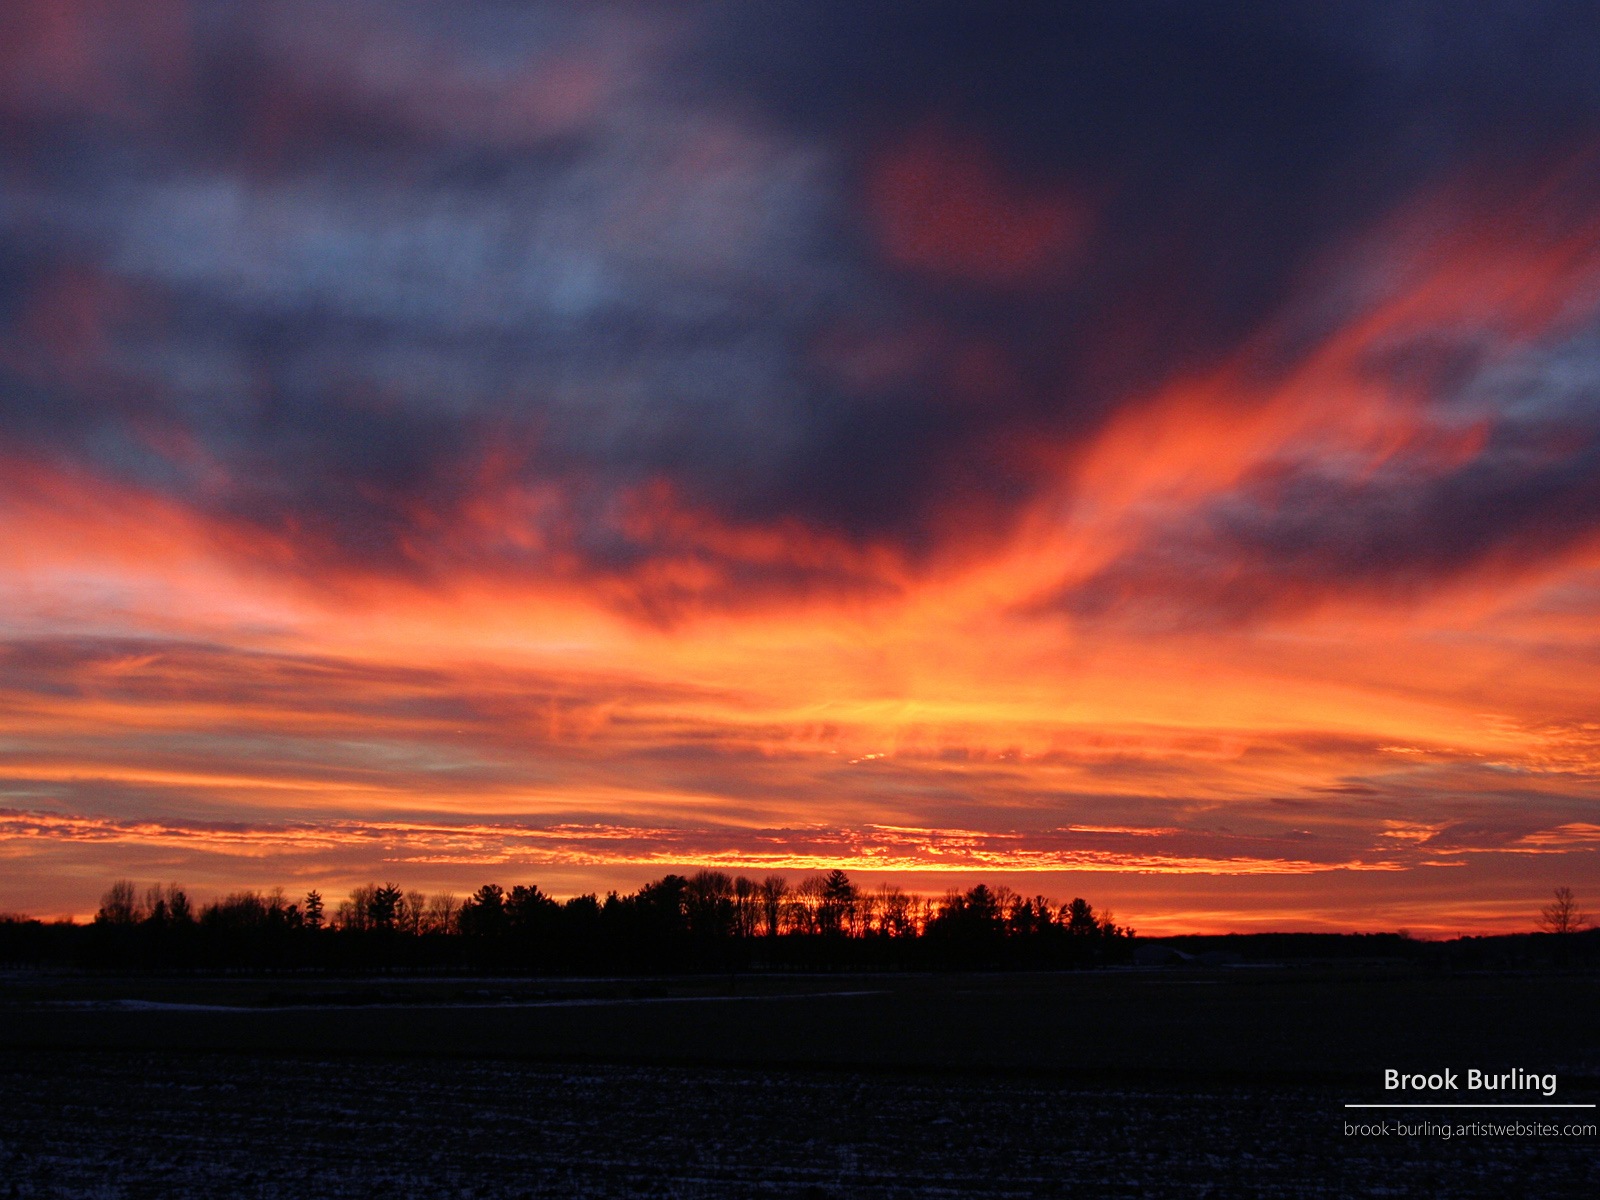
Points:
1141	451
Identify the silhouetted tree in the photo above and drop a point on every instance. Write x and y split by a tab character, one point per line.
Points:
968	930
803	906
837	909
483	914
1026	918
281	911
312	909
120	904
580	941
166	906
1080	919
355	912
975	913
413	913
893	912
1110	929
442	910
236	912
383	906
667	900
155	905
1562	915
705	921
746	907
708	905
863	913
530	921
774	889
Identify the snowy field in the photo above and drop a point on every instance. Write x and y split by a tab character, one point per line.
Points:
174	1126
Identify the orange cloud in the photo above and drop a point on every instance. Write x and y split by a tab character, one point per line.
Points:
769	694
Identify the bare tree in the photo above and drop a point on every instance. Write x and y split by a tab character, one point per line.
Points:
1562	915
166	905
893	911
864	916
442	911
237	912
803	906
413	912
773	890
120	904
356	912
746	906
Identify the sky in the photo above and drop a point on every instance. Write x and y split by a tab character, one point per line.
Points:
1147	451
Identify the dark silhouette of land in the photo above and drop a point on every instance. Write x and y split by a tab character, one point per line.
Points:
1118	1082
705	922
677	1042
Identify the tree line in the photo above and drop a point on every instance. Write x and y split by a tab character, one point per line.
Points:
705	921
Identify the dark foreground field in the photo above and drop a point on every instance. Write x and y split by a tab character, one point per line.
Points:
1227	1083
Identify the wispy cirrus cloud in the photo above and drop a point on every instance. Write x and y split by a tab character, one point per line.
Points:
503	846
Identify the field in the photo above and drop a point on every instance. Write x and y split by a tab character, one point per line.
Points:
1222	1083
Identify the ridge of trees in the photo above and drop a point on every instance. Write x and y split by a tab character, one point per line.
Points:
708	921
705	921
